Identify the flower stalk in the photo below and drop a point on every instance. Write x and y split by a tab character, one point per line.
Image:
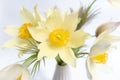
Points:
60	61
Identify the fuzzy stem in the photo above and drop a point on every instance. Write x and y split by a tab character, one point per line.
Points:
60	61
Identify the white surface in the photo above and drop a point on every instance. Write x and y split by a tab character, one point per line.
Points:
9	15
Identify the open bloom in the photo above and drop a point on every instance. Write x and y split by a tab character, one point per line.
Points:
58	36
15	72
100	54
21	33
115	3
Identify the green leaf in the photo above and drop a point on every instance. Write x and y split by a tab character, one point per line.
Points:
30	48
30	60
44	60
78	52
60	61
36	67
86	14
82	54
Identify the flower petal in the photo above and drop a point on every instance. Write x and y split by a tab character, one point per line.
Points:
103	43
10	44
11	30
54	19
38	33
47	50
91	67
98	71
109	26
14	43
115	3
107	35
71	21
37	14
27	17
12	72
100	47
78	38
67	55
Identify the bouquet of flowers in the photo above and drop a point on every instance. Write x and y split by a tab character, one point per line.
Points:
57	36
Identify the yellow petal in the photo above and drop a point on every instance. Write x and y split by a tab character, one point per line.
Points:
115	3
14	43
10	44
13	72
54	19
37	14
78	38
38	33
11	30
47	50
67	55
27	17
71	21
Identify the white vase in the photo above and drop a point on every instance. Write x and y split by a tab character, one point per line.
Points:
62	73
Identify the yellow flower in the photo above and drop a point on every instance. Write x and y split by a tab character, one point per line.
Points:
21	33
15	72
58	35
115	3
100	52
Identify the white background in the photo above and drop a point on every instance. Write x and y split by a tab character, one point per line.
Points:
10	15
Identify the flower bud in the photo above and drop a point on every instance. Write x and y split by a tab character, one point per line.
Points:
106	26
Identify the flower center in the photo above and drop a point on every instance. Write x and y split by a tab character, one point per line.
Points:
100	59
59	37
20	77
23	31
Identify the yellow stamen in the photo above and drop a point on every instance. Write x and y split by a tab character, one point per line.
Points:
59	37
20	77
23	31
100	59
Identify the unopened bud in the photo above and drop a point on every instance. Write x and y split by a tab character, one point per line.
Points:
106	26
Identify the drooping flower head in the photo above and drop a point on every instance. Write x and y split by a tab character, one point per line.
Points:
100	52
106	26
15	72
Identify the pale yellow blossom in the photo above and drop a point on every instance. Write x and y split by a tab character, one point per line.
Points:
58	36
21	33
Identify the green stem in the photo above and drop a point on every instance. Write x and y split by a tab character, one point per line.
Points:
60	61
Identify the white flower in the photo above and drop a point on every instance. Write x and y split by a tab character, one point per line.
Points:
100	54
15	72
